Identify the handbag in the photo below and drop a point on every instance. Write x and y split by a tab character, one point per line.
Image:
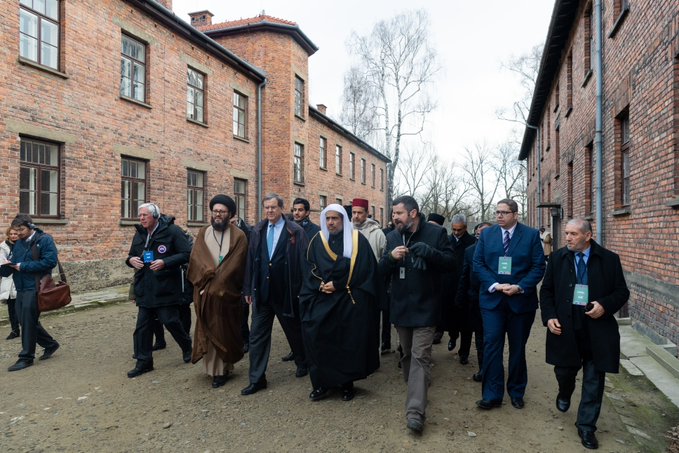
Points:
51	295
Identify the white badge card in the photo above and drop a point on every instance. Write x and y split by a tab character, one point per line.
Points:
504	265
581	295
402	273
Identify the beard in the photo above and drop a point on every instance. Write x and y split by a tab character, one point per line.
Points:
219	226
401	227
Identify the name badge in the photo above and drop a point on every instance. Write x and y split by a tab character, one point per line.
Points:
148	256
221	258
402	273
504	265
581	295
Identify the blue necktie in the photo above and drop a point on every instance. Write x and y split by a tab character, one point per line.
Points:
582	268
269	239
505	243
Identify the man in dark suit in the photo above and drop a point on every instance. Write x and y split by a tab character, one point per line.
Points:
509	263
273	279
584	287
245	326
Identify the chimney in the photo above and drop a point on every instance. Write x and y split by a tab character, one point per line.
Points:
201	18
321	108
166	3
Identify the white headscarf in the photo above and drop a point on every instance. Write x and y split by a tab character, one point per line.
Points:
347	231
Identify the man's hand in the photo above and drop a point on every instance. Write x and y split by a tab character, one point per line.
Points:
597	310
421	249
554	326
510	290
157	265
399	252
136	262
328	288
248	300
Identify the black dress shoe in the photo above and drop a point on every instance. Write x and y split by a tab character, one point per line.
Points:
159	345
289	357
348	392
140	369
253	388
12	335
20	365
588	439
562	404
218	381
415	426
319	394
49	352
477	377
518	402
186	355
451	344
487	405
301	371
464	360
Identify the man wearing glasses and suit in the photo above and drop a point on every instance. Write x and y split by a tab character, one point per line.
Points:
509	263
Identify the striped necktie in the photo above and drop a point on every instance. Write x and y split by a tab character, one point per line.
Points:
505	243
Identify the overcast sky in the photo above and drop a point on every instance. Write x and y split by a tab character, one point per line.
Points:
472	39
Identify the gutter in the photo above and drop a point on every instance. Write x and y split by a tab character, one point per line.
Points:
598	128
260	88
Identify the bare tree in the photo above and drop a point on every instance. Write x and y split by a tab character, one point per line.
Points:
358	101
511	172
482	179
526	66
399	64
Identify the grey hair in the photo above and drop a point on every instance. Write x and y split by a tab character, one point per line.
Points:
584	225
273	196
459	218
153	208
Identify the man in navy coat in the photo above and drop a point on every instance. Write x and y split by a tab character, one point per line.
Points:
509	263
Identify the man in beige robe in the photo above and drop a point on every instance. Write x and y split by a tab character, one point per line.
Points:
216	270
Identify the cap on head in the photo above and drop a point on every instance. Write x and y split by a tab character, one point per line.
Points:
436	218
360	203
226	201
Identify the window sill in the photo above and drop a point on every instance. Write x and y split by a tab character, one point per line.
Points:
323	168
135	101
300	117
589	217
619	21
568	111
195	223
674	204
587	77
621	212
297	183
338	174
33	64
199	123
128	222
49	221
241	139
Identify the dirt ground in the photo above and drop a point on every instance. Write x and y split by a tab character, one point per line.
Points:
82	400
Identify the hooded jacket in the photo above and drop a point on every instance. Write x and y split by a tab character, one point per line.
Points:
30	269
372	231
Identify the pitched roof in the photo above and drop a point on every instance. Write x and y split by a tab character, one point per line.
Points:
262	22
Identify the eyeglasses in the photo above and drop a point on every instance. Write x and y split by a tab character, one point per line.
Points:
216	212
503	213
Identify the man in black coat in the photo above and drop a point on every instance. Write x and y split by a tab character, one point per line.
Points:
416	254
300	214
245	327
158	250
583	288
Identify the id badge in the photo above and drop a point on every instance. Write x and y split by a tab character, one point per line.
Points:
221	258
148	256
504	266
581	295
402	273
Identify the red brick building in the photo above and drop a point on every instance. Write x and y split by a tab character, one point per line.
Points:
106	104
603	143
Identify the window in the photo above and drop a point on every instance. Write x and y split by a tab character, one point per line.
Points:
240	115
362	171
322	202
133	69
324	153
338	159
381	179
195	96
39	178
39	32
569	82
372	175
589	38
382	216
352	166
339	201
133	187
299	97
372	209
590	193
569	188
298	164
557	151
195	195
557	96
625	158
240	192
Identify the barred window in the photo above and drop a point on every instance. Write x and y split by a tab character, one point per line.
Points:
39	178
195	195
133	186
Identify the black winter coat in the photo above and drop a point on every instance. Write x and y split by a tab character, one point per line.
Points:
169	243
606	286
415	300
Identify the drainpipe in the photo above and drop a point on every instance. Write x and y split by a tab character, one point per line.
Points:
598	128
260	88
539	159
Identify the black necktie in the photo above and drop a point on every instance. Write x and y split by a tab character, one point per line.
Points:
582	268
505	243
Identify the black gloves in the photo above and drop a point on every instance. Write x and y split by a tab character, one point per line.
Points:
422	250
419	264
